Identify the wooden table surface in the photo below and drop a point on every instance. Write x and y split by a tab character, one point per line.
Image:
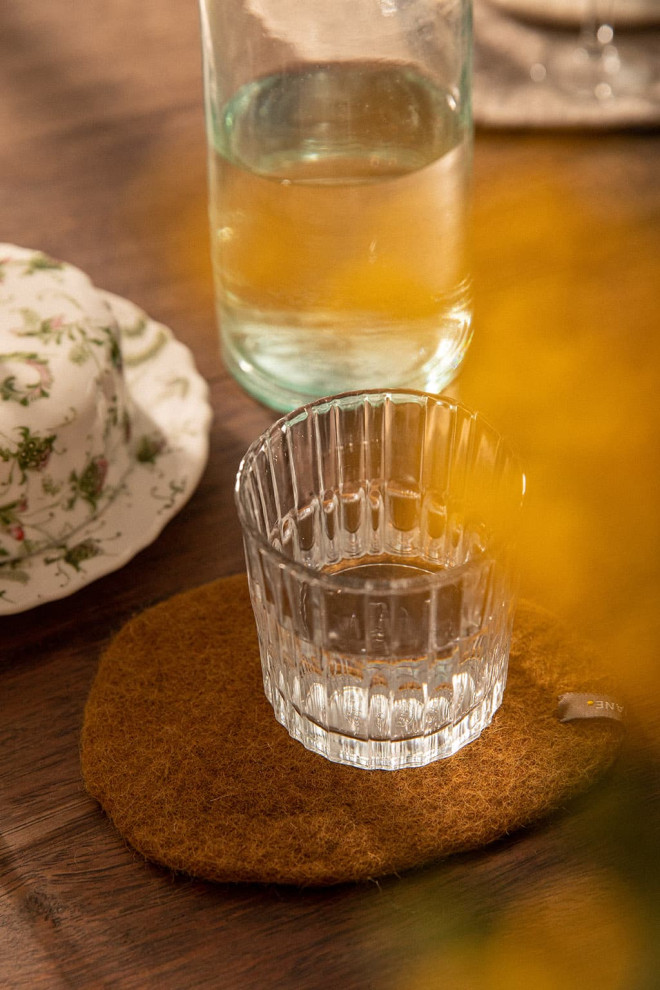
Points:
102	163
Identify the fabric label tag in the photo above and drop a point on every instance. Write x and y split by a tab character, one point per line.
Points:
575	706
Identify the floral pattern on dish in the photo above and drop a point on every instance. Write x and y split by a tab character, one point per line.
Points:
166	435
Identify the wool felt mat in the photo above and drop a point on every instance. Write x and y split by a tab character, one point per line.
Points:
182	750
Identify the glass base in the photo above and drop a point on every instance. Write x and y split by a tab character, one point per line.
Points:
386	754
276	364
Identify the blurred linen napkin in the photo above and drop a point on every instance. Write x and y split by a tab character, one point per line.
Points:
514	83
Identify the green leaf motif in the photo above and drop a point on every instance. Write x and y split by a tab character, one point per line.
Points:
115	350
9	512
148	449
81	552
24	393
32	453
41	262
89	484
50	487
79	353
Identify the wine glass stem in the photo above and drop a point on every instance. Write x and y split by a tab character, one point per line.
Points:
597	31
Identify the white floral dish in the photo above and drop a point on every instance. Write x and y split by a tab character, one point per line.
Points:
167	452
66	416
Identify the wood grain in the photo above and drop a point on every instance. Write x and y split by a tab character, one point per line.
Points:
102	162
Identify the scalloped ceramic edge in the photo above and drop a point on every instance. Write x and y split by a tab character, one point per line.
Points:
169	396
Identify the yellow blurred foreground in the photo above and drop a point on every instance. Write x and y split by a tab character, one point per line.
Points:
565	362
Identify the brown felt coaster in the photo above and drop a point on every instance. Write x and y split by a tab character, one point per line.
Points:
182	750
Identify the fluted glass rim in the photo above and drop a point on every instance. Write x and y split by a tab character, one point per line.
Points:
345	578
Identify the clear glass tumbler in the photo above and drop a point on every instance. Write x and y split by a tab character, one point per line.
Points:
340	137
379	531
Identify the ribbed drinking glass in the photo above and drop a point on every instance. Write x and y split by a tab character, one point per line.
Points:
379	531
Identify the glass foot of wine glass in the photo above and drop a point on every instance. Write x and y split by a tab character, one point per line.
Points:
597	68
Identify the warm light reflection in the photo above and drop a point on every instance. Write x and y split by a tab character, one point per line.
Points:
564	362
573	934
